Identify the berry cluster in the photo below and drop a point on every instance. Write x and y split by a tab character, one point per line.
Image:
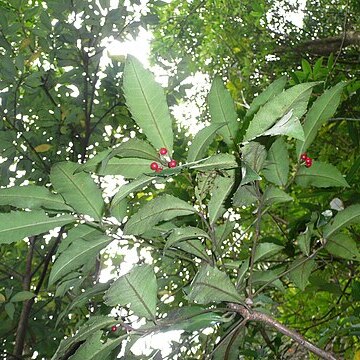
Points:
171	163
306	159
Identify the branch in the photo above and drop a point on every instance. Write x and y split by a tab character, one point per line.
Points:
25	312
259	317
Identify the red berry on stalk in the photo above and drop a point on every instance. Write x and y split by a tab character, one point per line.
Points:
154	166
159	169
308	162
303	157
172	164
163	151
113	328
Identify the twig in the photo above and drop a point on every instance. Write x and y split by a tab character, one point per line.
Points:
252	315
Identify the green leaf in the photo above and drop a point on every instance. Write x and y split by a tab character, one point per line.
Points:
323	108
135	148
304	239
129	168
95	349
194	247
245	195
10	310
320	175
248	175
163	208
219	192
191	318
22	296
202	141
273	195
342	219
2	298
264	250
79	190
342	245
212	285
222	232
295	98
270	92
287	125
263	277
138	288
147	103
80	252
277	166
130	187
222	110
217	162
254	155
92	325
16	226
120	210
32	197
186	233
300	275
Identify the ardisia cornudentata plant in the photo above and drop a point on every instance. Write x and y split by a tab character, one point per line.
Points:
223	216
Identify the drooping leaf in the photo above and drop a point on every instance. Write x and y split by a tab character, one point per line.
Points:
194	247
79	190
212	285
120	210
94	349
222	232
92	325
219	192
147	103
264	250
163	208
202	141
191	318
137	288
15	226
254	155
273	195
304	239
270	92
268	276
320	175
342	219
22	296
245	195
323	108
80	252
288	125
295	98
222	110
217	162
130	187
10	310
277	166
32	197
248	175
135	148
185	233
344	246
300	275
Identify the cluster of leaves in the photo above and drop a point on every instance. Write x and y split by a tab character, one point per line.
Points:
231	230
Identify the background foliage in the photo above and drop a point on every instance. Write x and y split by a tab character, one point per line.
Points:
241	224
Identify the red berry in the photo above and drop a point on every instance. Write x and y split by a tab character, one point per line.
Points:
159	169
163	151
308	162
303	157
154	166
113	328
172	164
